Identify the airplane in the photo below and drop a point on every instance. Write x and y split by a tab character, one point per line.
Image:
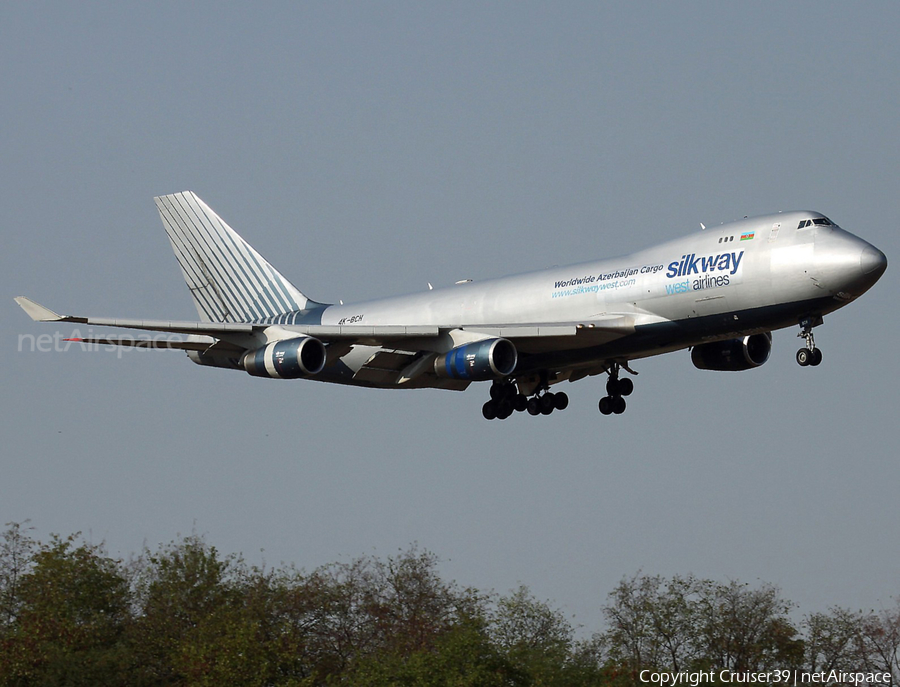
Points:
718	292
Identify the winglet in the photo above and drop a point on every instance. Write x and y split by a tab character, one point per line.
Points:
38	312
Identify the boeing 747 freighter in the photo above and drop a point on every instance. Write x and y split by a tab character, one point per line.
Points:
718	292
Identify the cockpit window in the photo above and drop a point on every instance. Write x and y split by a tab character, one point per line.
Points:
822	221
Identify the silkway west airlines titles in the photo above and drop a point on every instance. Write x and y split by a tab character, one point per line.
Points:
719	292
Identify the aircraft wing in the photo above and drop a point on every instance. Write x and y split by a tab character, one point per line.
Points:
606	327
526	336
40	313
394	340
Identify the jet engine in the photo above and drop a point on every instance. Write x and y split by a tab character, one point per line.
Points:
487	359
733	355
288	359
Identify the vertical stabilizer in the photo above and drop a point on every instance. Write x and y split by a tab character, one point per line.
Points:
229	281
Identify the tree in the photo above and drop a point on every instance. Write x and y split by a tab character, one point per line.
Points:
880	640
652	623
685	623
833	641
848	641
463	656
539	640
743	629
185	615
16	551
70	613
344	613
189	626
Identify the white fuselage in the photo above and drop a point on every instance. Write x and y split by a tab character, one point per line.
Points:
710	272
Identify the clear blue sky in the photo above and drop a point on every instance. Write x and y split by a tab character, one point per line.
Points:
368	149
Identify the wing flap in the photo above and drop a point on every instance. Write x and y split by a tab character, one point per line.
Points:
385	367
394	361
525	331
362	333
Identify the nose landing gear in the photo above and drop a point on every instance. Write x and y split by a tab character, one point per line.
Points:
809	355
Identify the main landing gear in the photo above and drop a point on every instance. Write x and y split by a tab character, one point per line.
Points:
506	399
616	389
809	355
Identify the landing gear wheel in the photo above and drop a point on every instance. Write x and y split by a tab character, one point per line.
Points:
616	388
505	400
816	357
534	406
548	403
561	400
504	409
809	355
520	403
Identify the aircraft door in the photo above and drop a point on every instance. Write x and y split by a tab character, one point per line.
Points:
710	305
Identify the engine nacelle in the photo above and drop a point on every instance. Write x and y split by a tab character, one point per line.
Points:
288	359
733	355
487	359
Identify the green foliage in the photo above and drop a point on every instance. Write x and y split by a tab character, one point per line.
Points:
185	615
186	602
462	656
539	640
849	641
70	611
685	623
16	551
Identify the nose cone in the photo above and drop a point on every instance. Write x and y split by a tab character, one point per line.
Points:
847	265
872	263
